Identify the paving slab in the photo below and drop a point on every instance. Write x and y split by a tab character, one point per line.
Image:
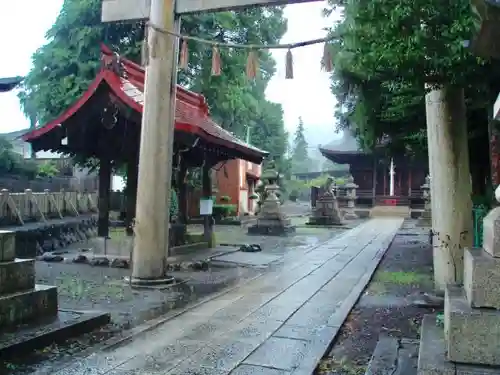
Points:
280	323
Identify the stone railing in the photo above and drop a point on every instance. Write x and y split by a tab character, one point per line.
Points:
21	208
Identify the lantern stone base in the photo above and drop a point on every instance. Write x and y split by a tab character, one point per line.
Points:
272	225
425	220
324	220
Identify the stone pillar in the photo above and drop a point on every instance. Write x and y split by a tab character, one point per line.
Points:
451	185
350	212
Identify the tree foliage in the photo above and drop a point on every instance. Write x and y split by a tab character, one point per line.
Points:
63	68
300	157
387	51
12	163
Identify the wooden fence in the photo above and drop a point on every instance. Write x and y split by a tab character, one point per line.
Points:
21	208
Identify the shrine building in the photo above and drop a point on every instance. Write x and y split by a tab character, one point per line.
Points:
105	124
371	172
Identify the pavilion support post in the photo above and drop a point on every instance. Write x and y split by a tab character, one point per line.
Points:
183	197
450	182
104	197
409	181
374	178
149	257
131	195
207	192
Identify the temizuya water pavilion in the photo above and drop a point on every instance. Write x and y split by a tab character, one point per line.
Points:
105	124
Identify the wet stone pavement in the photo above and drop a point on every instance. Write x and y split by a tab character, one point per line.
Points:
279	323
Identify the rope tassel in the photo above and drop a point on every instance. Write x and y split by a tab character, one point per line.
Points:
216	62
289	65
252	64
327	60
184	56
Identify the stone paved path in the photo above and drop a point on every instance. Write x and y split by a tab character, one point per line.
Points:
280	323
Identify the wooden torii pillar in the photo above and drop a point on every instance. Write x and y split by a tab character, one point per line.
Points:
156	145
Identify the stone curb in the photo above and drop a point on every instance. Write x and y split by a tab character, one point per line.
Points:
116	262
88	322
322	345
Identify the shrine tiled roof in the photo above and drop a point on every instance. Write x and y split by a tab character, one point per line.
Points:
345	145
8	83
191	112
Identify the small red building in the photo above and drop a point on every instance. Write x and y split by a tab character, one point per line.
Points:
237	180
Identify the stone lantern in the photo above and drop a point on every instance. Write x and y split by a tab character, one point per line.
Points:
426	217
426	192
350	186
271	220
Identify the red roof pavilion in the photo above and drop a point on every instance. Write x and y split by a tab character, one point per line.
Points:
107	117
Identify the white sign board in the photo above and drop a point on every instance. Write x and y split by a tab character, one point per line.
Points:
206	206
496	109
130	10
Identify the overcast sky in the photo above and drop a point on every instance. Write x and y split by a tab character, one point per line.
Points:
307	95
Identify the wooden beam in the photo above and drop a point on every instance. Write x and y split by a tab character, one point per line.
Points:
198	6
132	10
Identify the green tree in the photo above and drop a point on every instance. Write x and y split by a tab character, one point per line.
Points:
12	163
300	156
385	56
401	66
63	68
47	169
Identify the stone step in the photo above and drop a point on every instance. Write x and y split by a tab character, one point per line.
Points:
432	354
472	334
22	307
17	275
393	356
482	278
390	211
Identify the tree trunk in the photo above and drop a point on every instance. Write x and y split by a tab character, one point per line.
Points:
451	186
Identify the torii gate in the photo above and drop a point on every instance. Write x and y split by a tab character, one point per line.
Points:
156	146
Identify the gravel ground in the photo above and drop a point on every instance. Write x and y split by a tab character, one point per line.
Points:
385	307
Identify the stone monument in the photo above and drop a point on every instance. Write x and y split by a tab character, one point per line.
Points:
21	301
270	219
327	210
425	219
350	210
29	315
471	312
